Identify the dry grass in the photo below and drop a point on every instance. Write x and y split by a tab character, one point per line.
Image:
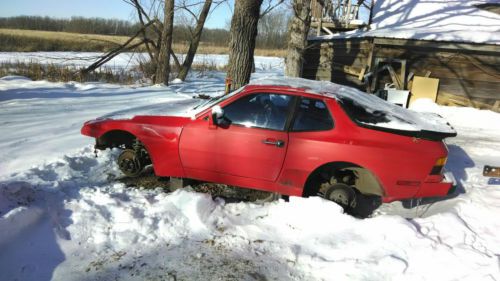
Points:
65	73
64	36
34	40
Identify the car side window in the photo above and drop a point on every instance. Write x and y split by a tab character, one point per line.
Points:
312	115
262	110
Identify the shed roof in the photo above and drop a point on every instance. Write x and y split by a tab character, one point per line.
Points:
436	20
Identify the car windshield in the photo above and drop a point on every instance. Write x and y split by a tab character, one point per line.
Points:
213	101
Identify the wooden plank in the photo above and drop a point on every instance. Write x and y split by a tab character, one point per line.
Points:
347	69
423	87
493	85
454	72
438	45
336	25
369	61
428	44
446	98
471	92
450	99
353	43
496	106
436	56
344	51
354	62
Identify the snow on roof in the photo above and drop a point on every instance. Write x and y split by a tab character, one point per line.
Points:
394	117
436	20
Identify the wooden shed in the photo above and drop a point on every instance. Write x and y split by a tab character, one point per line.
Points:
455	42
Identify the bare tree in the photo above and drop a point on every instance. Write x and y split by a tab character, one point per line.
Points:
242	41
273	29
195	37
297	40
157	36
163	65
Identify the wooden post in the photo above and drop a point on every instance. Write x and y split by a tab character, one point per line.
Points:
320	23
348	13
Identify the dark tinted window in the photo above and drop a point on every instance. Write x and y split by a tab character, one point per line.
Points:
312	115
360	114
264	110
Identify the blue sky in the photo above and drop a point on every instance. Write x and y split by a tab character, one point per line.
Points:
91	8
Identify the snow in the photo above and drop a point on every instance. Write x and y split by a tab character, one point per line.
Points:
180	108
124	61
396	117
64	216
455	21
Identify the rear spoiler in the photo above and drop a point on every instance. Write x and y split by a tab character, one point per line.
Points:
422	134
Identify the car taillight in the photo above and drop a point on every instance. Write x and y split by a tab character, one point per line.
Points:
438	167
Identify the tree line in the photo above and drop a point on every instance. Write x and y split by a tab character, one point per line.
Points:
272	29
74	24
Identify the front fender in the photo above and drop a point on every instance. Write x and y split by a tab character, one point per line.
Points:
160	136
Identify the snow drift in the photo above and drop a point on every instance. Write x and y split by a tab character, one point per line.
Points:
64	215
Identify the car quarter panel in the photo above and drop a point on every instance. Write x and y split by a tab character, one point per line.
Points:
393	159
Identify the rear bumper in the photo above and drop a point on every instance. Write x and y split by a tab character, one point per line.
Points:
438	189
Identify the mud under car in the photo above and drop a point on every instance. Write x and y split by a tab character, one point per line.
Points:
294	137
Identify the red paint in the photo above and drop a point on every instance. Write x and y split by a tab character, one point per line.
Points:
237	155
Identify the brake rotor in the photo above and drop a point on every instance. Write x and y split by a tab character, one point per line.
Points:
341	194
129	163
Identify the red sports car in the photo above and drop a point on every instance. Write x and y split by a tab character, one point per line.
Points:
289	136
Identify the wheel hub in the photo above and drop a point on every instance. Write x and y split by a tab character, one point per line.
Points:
341	194
129	163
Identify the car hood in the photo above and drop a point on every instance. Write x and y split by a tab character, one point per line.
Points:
179	108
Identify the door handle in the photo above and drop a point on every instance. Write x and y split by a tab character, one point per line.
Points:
277	143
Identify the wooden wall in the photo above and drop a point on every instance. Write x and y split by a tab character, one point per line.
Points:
469	74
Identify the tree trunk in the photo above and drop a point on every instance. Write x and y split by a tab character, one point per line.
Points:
297	41
163	68
242	41
195	41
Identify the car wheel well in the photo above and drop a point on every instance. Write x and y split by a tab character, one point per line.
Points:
115	138
362	179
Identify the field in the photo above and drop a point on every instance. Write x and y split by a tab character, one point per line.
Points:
126	68
16	40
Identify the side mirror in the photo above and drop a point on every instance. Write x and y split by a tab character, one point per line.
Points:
217	114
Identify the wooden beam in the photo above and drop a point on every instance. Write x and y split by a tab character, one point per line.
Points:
348	69
336	25
438	45
327	30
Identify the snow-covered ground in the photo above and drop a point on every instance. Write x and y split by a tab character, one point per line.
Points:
64	217
124	60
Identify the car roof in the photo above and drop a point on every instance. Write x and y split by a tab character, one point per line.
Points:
320	88
398	117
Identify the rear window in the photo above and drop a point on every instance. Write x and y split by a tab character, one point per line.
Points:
360	114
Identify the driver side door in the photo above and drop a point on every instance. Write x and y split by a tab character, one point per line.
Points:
254	141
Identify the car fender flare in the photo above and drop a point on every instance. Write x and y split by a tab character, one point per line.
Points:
114	137
367	182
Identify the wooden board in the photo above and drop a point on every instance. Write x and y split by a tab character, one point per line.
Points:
423	87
